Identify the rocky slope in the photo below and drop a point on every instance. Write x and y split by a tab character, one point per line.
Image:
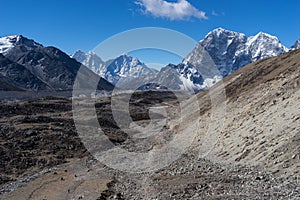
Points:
262	116
18	76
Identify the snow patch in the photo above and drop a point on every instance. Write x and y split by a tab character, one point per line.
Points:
8	42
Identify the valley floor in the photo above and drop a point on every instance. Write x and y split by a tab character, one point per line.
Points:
250	152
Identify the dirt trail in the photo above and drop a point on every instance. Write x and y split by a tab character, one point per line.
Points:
73	181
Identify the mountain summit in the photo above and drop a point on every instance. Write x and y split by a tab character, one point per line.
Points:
8	42
91	60
264	45
296	45
126	67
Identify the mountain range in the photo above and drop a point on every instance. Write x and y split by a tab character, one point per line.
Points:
26	65
113	70
219	54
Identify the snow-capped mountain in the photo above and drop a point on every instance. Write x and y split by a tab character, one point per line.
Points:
124	67
264	45
173	77
223	47
231	50
92	61
184	77
80	56
296	45
8	42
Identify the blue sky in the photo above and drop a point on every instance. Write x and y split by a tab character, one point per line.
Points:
82	24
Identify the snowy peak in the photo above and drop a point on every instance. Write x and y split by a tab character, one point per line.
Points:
223	34
222	47
264	35
91	60
264	45
79	56
95	63
8	42
220	32
126	67
126	61
296	45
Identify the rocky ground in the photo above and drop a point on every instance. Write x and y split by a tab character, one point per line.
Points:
246	143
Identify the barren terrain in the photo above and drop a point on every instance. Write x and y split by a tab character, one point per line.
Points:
246	144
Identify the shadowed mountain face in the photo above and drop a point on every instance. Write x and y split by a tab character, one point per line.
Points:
47	68
47	63
17	77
